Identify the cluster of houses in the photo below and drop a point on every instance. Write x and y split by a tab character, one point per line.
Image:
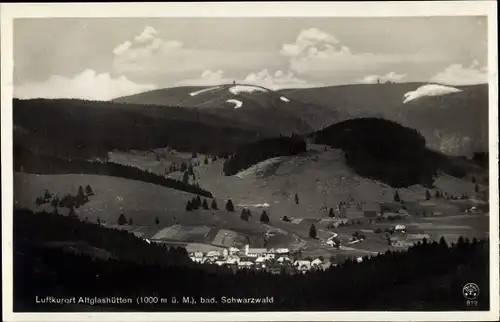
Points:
272	260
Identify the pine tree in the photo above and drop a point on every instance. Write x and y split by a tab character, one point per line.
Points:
198	201
331	213
244	215
98	220
205	204
428	195
473	179
312	232
206	160
229	206
183	167
194	155
190	169
264	218
214	204
437	194
476	188
396	197
296	199
189	206
47	196
194	204
122	220
89	190
54	202
185	178
130	221
157	221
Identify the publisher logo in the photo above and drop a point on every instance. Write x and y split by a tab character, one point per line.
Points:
470	291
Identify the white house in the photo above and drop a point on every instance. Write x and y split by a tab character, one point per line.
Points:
282	251
233	250
400	228
261	259
359	259
283	259
214	253
233	259
302	265
245	264
317	262
254	252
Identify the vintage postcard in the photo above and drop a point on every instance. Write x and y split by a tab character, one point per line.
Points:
250	161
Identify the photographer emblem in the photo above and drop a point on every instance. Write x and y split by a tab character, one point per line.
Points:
470	291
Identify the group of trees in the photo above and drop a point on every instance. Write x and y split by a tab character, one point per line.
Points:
394	280
246	214
67	201
255	152
196	203
39	163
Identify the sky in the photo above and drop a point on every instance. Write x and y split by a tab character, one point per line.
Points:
104	58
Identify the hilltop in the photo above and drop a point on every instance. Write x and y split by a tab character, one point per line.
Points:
246	103
467	106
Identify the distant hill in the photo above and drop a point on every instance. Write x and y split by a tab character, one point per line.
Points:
253	105
386	151
453	123
88	129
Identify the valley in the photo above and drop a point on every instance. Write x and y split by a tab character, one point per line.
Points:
307	164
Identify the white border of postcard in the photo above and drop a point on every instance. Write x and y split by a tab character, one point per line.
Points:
245	9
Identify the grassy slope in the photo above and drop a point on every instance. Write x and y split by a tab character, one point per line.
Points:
142	202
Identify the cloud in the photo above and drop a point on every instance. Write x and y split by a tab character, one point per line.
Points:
277	81
207	78
306	40
264	78
389	77
459	75
315	52
429	90
147	34
152	54
86	85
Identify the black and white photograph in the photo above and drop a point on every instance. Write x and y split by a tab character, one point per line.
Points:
209	158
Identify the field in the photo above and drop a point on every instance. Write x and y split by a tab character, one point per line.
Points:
319	177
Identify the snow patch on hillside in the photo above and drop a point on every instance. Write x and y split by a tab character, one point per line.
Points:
246	89
204	90
284	99
429	90
237	104
258	168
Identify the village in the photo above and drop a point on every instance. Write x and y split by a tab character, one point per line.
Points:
270	260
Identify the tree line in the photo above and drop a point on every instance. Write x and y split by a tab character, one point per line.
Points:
78	128
428	276
253	153
27	161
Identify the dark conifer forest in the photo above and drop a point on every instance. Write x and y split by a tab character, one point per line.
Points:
253	153
71	128
387	151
